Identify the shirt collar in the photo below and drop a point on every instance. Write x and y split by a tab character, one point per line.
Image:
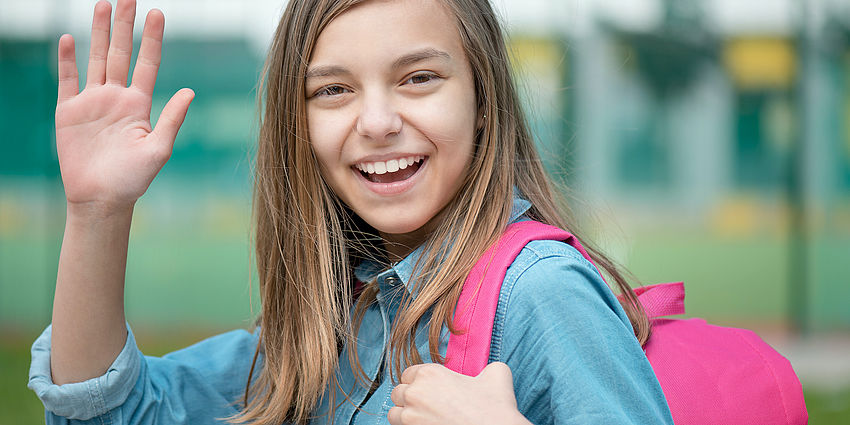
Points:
403	270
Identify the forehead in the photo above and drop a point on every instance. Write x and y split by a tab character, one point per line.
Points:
377	30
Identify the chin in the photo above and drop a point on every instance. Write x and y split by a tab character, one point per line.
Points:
394	225
397	228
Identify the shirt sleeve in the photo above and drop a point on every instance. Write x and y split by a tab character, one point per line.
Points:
570	345
200	384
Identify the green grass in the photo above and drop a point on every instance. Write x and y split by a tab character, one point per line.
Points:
828	407
193	281
18	405
744	280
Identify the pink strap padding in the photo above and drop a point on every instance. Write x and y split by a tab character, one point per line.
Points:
663	299
469	350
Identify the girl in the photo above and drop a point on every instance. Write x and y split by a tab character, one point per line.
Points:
392	153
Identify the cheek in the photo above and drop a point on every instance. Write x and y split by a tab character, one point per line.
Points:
327	136
449	121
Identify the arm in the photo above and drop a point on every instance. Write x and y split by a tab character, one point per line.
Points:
108	155
197	385
86	367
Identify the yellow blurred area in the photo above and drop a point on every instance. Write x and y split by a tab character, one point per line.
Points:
744	216
759	63
536	53
11	218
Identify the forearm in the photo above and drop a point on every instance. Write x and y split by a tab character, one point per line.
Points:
88	308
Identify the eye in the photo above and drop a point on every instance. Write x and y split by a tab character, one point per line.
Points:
421	78
332	90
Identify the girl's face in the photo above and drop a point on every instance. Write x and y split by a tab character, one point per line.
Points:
392	114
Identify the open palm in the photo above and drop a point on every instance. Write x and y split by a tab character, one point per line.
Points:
108	152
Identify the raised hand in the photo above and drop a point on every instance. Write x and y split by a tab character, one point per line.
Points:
108	152
431	394
109	155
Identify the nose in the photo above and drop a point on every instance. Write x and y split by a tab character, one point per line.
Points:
378	120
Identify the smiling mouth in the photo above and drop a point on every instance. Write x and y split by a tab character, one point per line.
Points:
391	171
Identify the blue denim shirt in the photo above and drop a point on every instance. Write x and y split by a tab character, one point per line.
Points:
558	327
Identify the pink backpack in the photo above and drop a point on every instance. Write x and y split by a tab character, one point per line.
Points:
709	374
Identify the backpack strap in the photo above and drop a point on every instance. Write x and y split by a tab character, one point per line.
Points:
469	350
663	299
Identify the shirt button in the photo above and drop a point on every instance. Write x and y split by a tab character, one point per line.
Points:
392	281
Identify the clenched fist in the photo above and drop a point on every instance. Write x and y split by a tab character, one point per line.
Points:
433	394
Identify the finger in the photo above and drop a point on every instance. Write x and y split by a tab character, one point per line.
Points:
409	374
172	117
147	64
69	83
397	396
96	71
394	416
121	46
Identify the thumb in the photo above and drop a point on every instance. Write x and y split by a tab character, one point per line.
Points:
497	373
497	377
172	116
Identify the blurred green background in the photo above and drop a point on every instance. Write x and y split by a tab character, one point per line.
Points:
705	141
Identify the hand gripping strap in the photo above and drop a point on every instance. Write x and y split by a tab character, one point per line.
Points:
469	350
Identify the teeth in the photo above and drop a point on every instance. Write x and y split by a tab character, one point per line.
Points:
380	167
391	166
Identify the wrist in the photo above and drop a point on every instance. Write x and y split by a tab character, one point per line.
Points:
99	211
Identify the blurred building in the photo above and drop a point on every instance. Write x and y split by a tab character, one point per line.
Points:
723	124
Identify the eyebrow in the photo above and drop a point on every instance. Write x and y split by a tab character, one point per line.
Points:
419	56
326	71
406	60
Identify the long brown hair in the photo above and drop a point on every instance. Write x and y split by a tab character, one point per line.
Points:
307	240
